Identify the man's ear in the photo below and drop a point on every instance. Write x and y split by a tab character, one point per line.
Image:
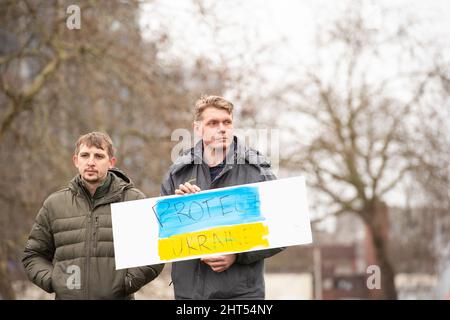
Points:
112	162
75	160
197	126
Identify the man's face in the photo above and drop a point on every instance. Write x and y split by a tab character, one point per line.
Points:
215	128
93	163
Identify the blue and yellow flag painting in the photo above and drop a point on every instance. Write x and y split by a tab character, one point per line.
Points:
219	221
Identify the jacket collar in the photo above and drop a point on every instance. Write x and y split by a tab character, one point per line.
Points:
115	183
238	153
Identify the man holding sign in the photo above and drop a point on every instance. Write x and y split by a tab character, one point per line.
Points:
218	160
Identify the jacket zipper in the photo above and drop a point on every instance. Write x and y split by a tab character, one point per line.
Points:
88	256
225	170
201	268
96	234
89	236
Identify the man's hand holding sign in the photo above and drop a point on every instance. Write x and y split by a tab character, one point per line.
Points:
217	263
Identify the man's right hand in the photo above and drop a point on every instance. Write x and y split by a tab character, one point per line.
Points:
187	188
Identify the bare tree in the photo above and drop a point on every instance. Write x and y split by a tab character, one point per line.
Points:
433	176
359	103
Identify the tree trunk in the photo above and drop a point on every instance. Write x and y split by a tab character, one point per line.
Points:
388	290
378	232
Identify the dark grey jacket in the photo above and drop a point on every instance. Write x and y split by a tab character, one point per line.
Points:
73	234
194	279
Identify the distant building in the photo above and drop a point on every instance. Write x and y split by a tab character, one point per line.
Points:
340	277
338	261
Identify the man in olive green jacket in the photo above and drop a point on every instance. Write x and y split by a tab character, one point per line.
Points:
70	249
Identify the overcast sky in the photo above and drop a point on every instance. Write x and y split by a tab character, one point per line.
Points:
273	36
291	23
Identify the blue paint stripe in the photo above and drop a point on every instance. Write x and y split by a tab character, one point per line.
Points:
206	210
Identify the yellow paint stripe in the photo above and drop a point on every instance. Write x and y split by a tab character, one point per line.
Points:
217	240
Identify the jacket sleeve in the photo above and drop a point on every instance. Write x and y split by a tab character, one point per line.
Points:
167	186
253	256
39	252
138	277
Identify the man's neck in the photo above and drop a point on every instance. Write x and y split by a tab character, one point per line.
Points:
213	157
98	187
91	187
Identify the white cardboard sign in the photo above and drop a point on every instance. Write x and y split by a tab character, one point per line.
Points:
212	222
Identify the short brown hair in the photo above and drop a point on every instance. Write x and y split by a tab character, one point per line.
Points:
97	139
211	101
